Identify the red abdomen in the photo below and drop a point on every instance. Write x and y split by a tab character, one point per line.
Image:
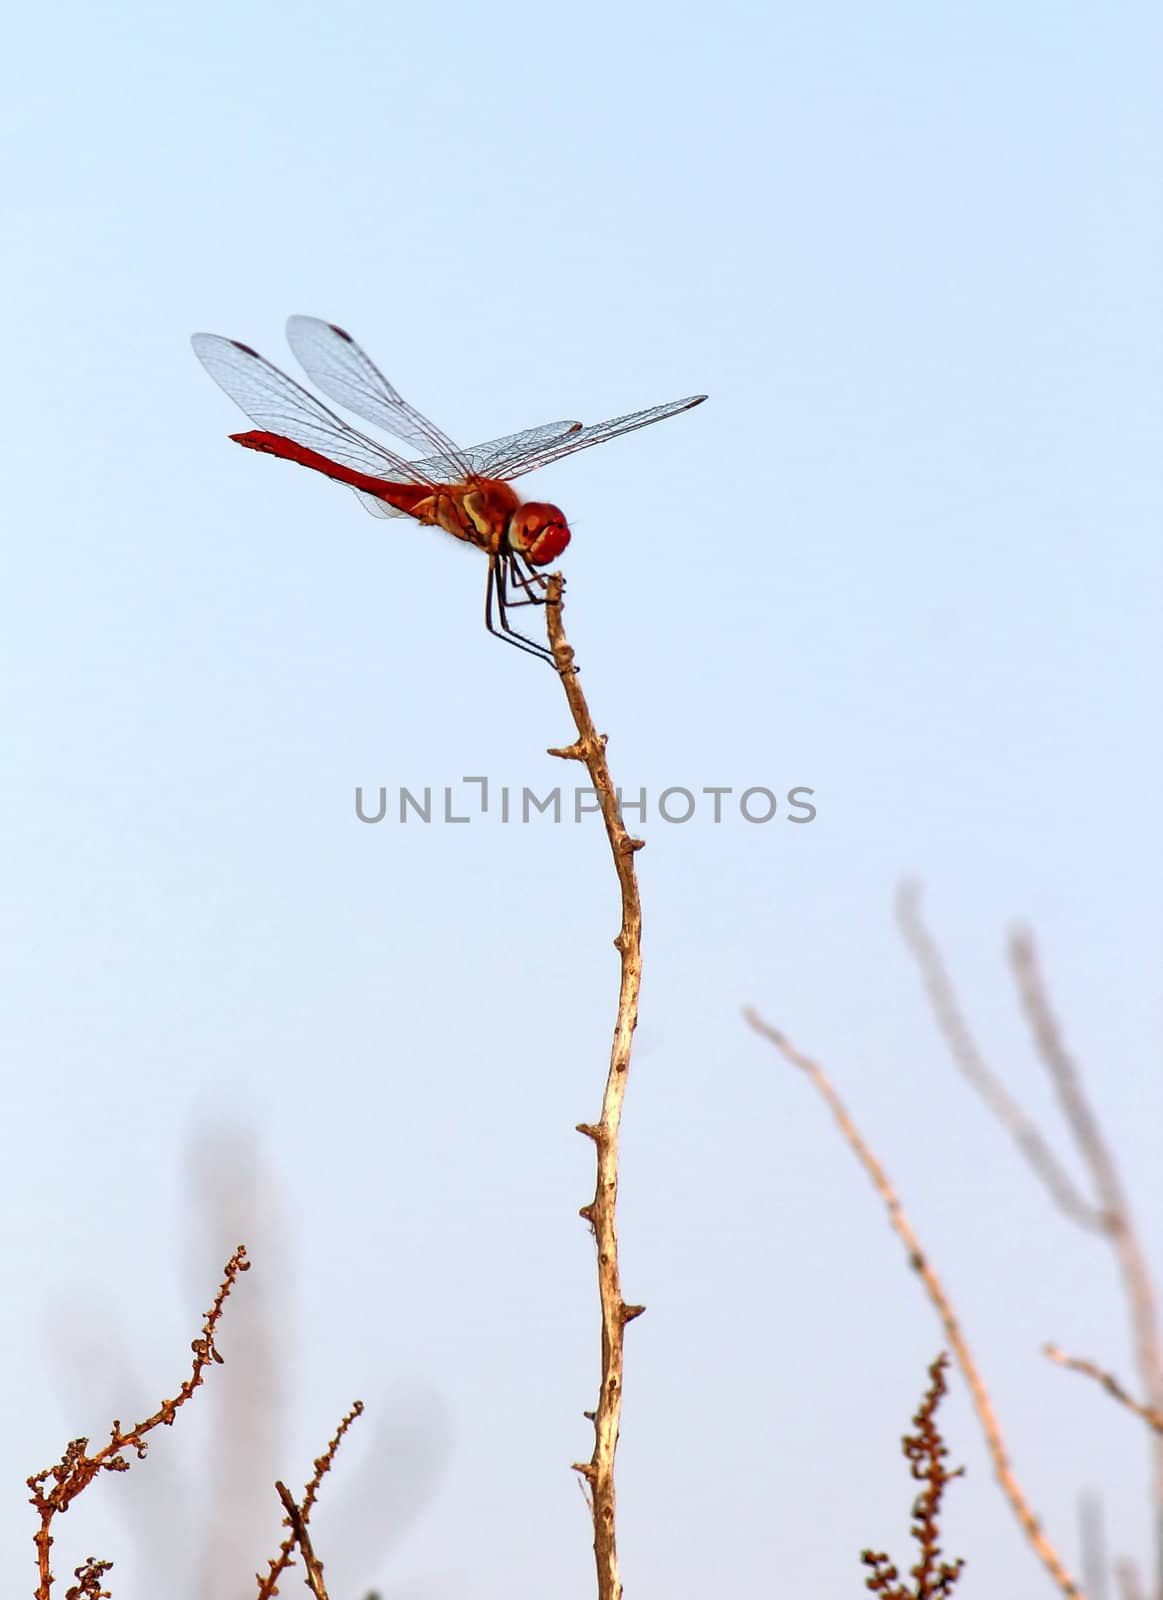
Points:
404	496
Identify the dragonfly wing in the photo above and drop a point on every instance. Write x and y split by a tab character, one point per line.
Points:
493	460
377	507
335	363
281	406
537	455
488	460
484	460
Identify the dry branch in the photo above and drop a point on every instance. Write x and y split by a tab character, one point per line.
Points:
601	1212
297	1518
934	1288
1152	1417
76	1469
312	1565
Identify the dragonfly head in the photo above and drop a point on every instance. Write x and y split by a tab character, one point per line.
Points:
538	532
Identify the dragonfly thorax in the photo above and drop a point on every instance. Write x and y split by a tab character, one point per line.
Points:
539	532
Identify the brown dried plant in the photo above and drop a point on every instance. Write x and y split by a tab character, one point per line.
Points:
601	1211
77	1468
925	1451
89	1576
297	1518
193	1521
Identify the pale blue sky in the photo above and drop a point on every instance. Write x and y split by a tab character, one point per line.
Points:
907	555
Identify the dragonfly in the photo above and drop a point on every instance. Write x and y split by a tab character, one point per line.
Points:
466	492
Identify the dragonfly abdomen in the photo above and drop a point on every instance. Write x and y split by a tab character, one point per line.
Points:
405	497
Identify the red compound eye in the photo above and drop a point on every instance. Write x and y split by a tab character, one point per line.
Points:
538	532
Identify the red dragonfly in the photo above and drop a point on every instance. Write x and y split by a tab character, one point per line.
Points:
465	492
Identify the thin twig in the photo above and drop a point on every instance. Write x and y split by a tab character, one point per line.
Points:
278	1564
1150	1415
601	1212
941	1302
77	1469
1121	1230
312	1566
968	1058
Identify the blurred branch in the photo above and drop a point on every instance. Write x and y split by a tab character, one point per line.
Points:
1130	1584
968	1058
601	1212
1152	1417
1092	1539
1120	1228
232	1193
1132	1259
1109	1213
941	1302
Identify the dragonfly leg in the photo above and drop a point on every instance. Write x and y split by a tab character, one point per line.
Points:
496	604
532	583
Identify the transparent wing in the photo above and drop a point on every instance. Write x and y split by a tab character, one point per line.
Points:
529	458
377	507
493	460
335	363
281	406
485	460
